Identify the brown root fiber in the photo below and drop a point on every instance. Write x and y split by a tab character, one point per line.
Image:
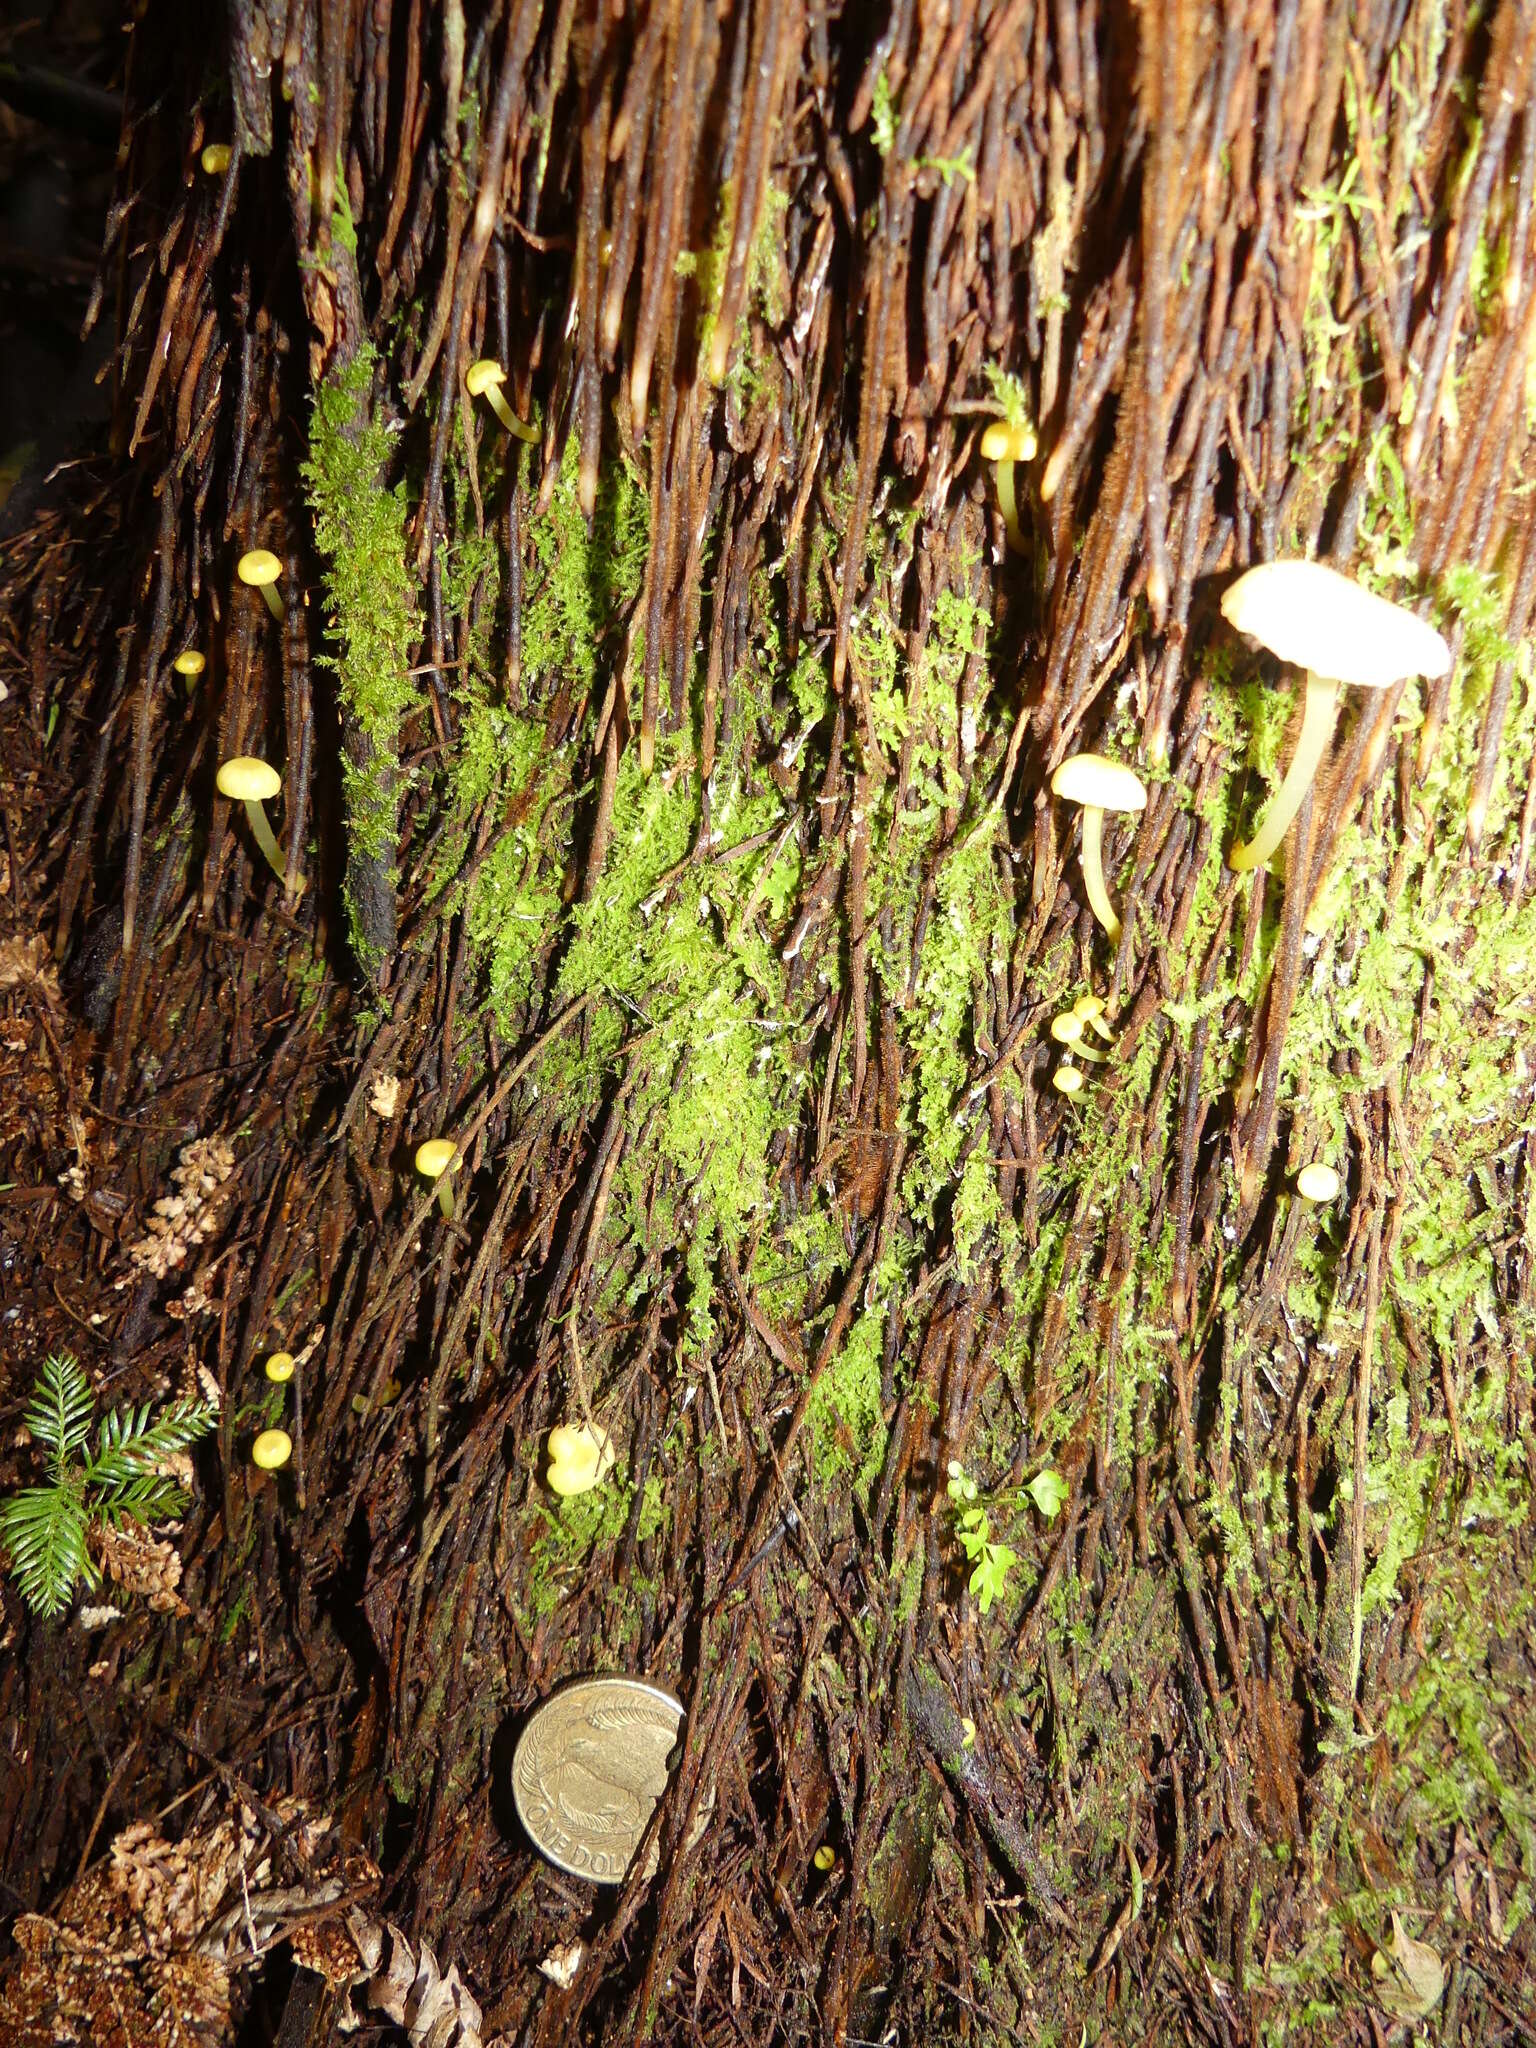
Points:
671	800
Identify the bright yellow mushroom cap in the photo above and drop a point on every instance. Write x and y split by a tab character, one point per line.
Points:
825	1856
578	1457
432	1157
272	1450
1067	1029
483	375
258	568
1004	443
189	662
1104	784
1310	615
248	780
1317	1182
1067	1079
280	1367
215	158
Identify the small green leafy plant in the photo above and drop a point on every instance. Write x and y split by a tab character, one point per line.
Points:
990	1562
1049	1492
45	1528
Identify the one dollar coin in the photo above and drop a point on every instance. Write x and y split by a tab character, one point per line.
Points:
588	1769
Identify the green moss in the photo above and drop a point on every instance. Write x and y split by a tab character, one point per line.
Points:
571	1532
360	530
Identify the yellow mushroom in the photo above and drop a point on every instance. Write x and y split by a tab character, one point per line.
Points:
1067	1078
824	1858
1337	633
190	663
432	1161
260	568
251	782
215	158
579	1458
1091	1009
484	379
1318	1182
279	1367
1003	444
272	1450
1098	785
1067	1029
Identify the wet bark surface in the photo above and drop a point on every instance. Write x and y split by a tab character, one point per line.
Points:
1117	1566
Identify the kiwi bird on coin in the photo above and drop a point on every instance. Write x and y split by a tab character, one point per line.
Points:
601	1785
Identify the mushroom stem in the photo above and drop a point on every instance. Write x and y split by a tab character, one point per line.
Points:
263	834
1319	711
507	416
274	602
1091	1009
445	1196
1008	502
1093	869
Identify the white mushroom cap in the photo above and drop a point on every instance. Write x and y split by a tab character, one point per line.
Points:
1308	614
1106	785
260	566
247	779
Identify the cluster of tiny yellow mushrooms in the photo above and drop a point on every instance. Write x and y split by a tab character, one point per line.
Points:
274	1447
1340	636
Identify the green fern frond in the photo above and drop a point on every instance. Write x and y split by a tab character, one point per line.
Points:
151	1497
133	1443
43	1528
60	1415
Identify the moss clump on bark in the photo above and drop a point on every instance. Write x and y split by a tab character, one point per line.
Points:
371	618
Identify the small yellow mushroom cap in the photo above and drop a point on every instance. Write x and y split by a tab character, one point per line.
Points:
1003	442
1317	1183
280	1367
272	1450
189	662
258	568
825	1857
215	158
1067	1079
578	1457
1311	616
1067	1029
248	780
1087	1007
1105	785
484	375
432	1157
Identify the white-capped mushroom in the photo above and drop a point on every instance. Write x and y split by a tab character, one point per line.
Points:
1325	624
1099	785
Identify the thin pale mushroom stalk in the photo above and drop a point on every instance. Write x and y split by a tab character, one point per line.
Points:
1319	716
1096	785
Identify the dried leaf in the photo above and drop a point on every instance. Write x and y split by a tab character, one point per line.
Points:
1410	1976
